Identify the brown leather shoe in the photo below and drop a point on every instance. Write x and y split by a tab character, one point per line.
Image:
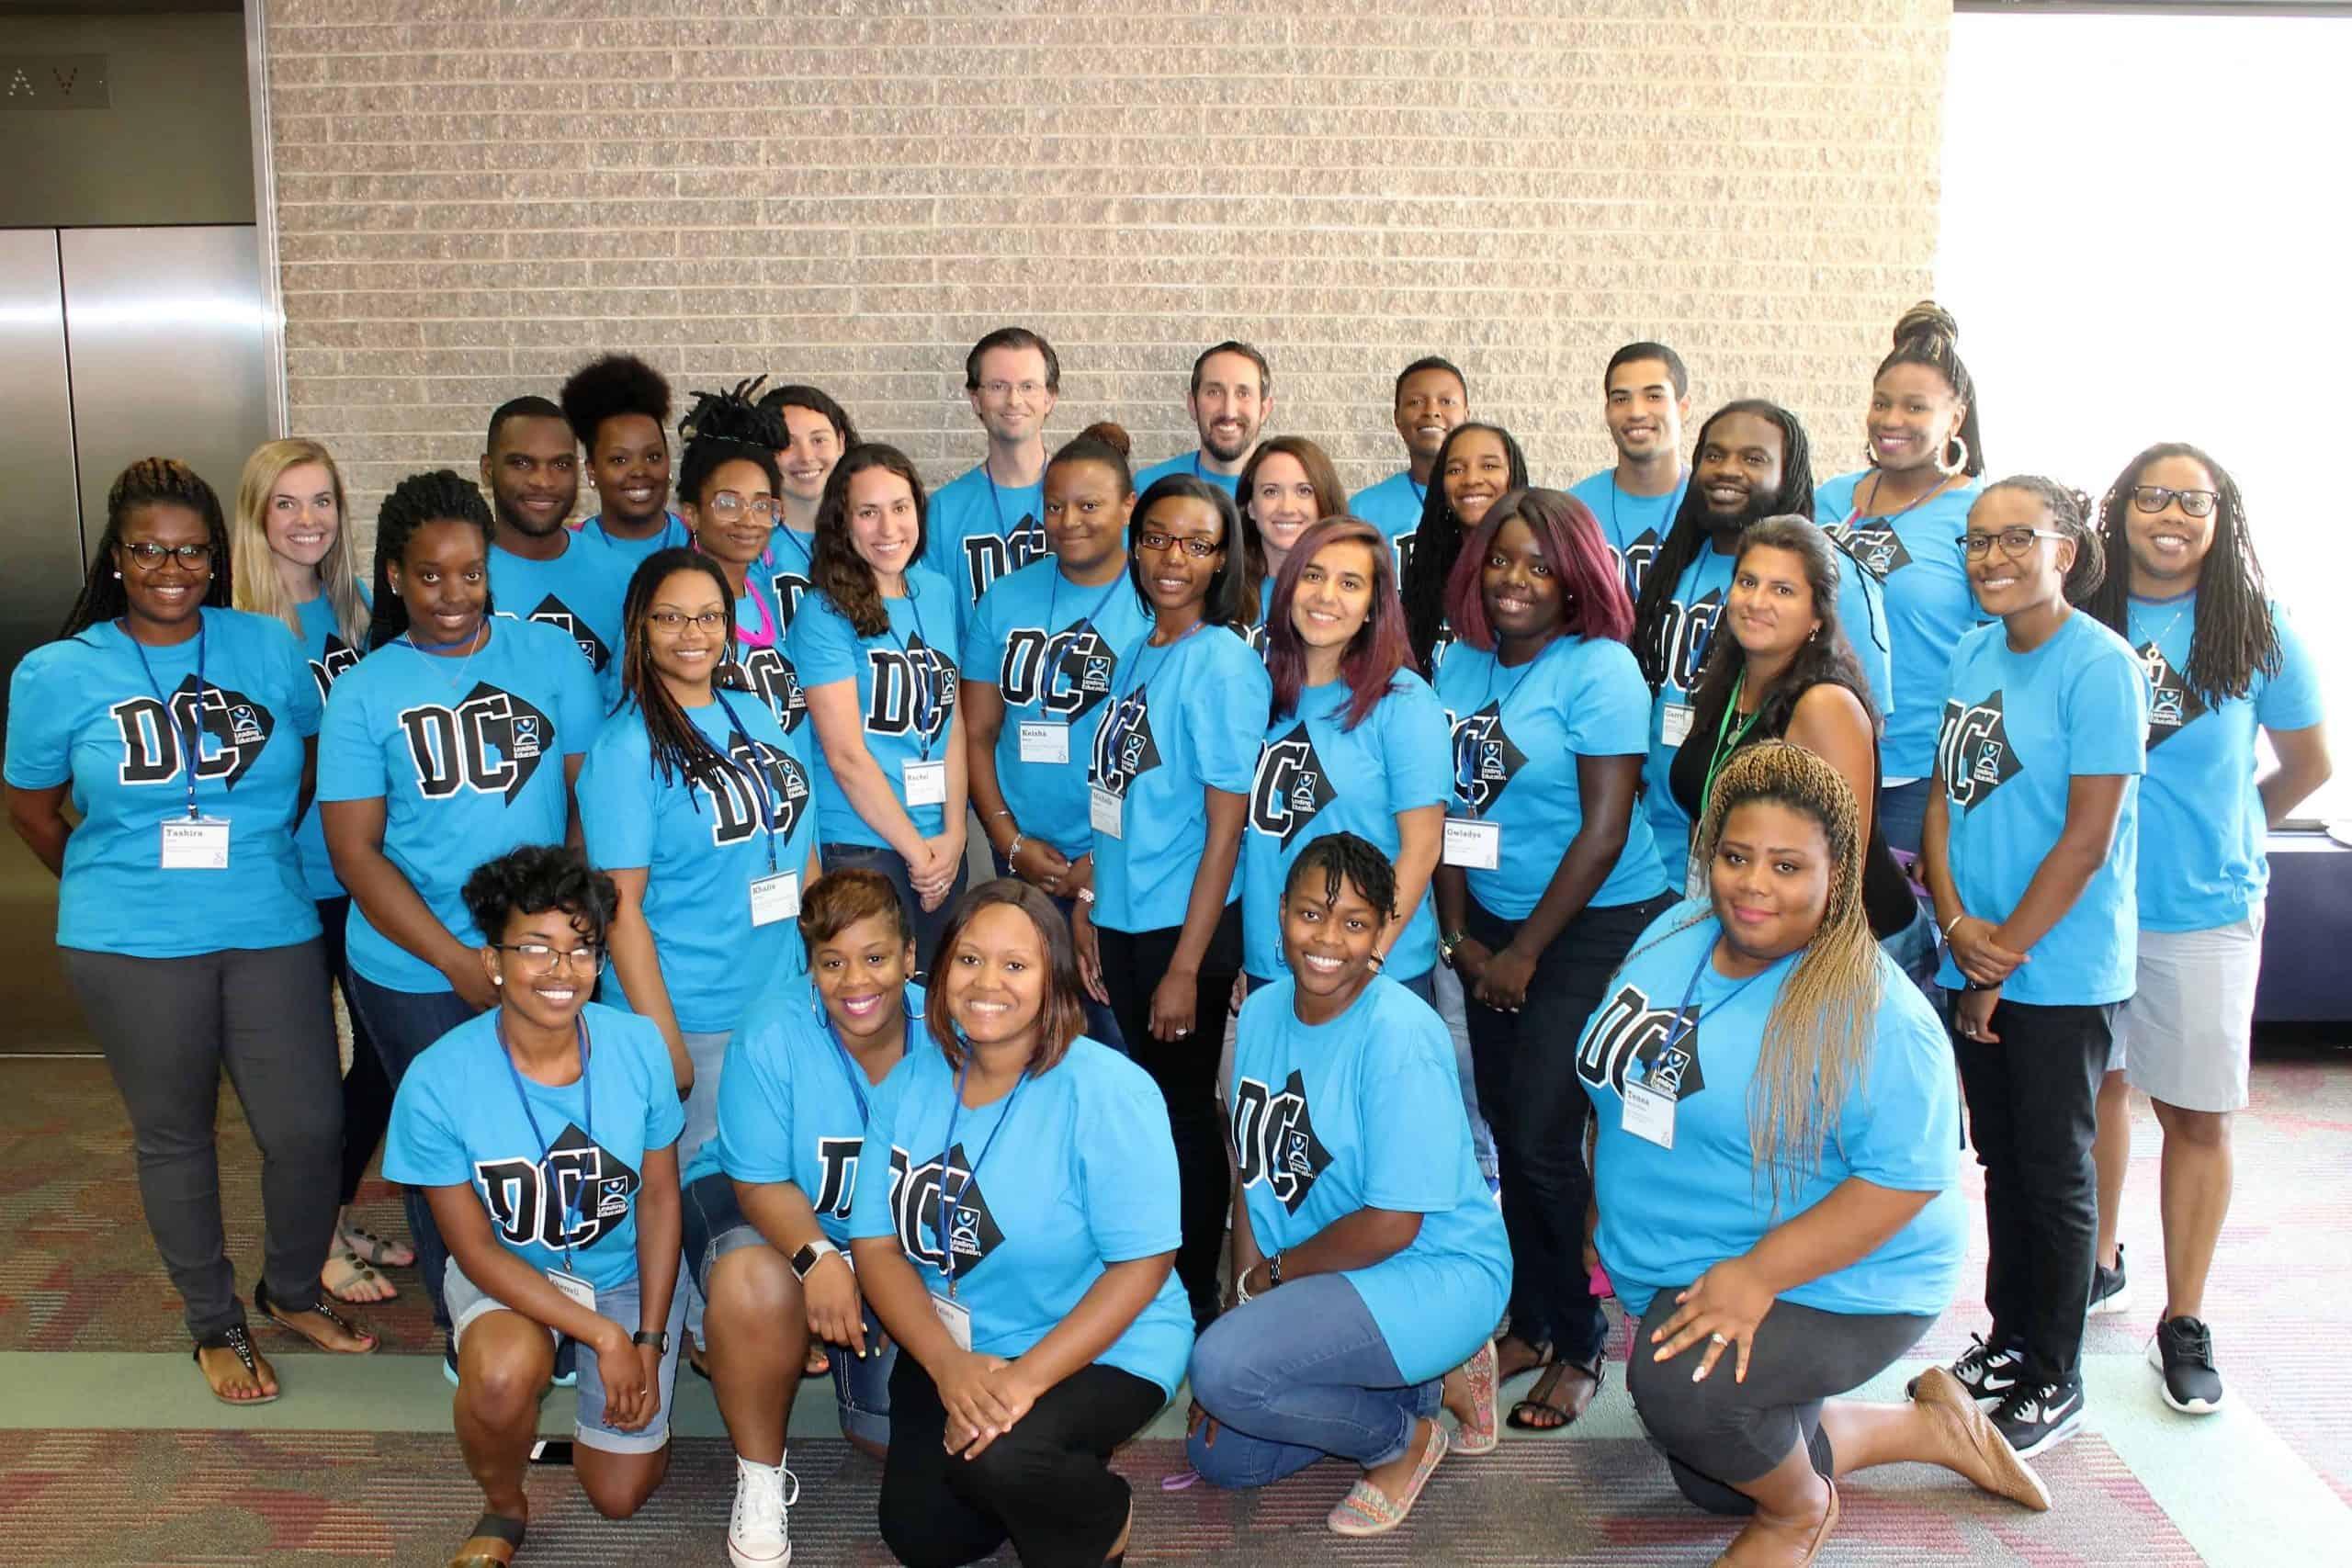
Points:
1973	1446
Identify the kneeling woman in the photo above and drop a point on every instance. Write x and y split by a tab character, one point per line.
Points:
543	1135
1369	1263
1765	1031
1014	1234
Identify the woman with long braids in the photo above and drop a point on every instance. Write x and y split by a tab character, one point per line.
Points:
2221	662
181	733
1476	468
1898	517
291	560
1760	1058
458	728
2030	853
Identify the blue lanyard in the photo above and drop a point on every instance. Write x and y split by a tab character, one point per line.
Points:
587	1119
190	739
996	506
808	556
1465	777
1676	1031
1086	626
951	1211
1421	493
1124	719
750	769
851	1071
918	670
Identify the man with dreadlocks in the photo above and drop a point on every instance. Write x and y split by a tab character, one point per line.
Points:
619	409
1752	461
2221	662
1776	1169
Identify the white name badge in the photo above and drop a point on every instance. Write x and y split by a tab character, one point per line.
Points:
1677	723
581	1291
1474	845
776	897
926	783
957	1318
1044	740
196	844
1104	811
1650	1113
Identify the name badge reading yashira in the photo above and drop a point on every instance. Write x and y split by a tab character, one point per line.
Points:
196	844
957	1318
776	897
1044	740
573	1285
1650	1113
926	783
1105	810
1675	724
1473	844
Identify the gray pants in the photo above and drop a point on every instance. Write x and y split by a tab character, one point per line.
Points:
168	1026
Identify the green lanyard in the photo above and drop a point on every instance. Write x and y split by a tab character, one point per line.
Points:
1727	739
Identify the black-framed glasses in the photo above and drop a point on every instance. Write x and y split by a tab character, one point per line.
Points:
1158	543
2155	497
2013	541
674	621
730	504
540	959
147	556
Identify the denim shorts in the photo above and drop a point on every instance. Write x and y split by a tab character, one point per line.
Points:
715	1226
469	1300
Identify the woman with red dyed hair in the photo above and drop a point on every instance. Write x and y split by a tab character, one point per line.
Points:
1549	875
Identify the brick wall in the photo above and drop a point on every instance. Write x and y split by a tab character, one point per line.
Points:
850	191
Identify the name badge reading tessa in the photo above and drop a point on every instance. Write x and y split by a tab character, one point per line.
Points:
199	843
1650	1113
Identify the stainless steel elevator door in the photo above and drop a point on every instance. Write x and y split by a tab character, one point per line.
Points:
41	531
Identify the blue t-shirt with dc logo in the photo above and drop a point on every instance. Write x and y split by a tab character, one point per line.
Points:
580	593
1393	506
702	846
329	656
2018	730
459	1119
82	712
467	754
906	694
1632	526
981	532
1053	648
758	663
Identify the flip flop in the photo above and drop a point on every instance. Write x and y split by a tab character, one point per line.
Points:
1367	1510
1559	1373
346	1269
270	1310
377	1252
234	1338
490	1527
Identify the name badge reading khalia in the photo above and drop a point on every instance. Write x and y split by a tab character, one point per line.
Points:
582	1293
926	783
1676	723
776	897
1044	740
198	843
1105	810
1650	1113
1474	845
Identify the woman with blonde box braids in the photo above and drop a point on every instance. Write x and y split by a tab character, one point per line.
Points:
1762	1074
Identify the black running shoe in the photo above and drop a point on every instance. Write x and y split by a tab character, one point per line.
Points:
2110	1291
2040	1415
2183	1351
1987	1374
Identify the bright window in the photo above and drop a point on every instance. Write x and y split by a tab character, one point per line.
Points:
2144	240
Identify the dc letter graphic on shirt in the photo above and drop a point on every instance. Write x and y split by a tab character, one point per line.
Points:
1124	750
1628	1029
1485	760
764	672
529	1201
1637	559
553	612
837	1163
1876	547
1274	1142
1290	788
337	657
787	587
2171	704
490	743
915	1204
735	814
1682	634
1973	752
987	557
913	692
240	727
1068	672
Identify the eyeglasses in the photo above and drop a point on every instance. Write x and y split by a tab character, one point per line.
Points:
538	958
728	504
1158	543
148	556
2013	541
673	621
2155	497
1002	390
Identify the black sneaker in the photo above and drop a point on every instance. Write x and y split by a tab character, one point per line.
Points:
2040	1415
2183	1351
2110	1291
1987	1374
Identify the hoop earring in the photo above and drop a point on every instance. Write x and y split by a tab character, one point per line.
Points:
1960	463
1870	455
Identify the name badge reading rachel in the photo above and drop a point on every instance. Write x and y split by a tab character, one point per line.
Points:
1105	810
926	783
1472	844
196	844
776	897
1044	740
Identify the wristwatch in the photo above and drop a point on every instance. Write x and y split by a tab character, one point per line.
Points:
1446	943
658	1338
809	1255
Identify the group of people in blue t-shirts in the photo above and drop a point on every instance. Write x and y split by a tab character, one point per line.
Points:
1416	918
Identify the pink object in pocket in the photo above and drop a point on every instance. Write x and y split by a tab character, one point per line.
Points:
1599	1281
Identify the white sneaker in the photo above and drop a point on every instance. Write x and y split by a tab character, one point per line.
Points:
756	1537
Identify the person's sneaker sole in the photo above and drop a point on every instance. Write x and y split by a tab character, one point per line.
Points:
742	1559
2107	1306
2164	1386
2051	1437
1938	1390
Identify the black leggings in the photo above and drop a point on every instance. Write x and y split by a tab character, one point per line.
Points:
1046	1484
366	1092
1133	965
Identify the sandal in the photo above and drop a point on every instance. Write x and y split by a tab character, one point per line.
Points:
264	1305
1541	1397
1544	1356
374	1251
490	1527
1479	1433
347	1273
1367	1511
234	1338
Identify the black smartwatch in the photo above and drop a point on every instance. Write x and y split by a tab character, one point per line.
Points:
659	1339
809	1255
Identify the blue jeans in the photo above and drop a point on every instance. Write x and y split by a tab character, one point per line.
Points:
1297	1375
1903	817
1102	1023
928	923
401	1024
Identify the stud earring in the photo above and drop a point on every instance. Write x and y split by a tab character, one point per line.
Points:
117	576
498	979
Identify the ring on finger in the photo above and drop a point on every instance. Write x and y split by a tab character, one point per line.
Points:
1718	1339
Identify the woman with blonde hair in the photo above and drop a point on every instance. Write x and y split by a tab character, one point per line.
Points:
1761	1060
290	560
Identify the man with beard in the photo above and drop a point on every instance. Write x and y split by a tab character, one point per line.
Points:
1751	461
1645	401
539	569
1232	395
